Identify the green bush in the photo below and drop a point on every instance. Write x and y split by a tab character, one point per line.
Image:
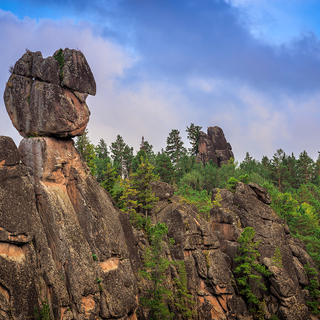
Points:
44	313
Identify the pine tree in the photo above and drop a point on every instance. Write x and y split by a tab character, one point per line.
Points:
117	150
102	159
306	167
137	195
164	167
265	167
249	165
141	182
293	176
175	148
127	160
145	152
278	168
155	266
86	149
110	178
193	135
102	150
317	170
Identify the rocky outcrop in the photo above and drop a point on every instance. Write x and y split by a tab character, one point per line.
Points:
61	238
247	207
214	146
69	247
46	97
64	244
195	244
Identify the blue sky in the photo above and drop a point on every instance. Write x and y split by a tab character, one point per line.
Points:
250	67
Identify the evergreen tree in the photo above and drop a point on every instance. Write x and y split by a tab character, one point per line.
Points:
278	168
164	167
175	148
187	164
265	167
101	160
306	167
156	264
293	176
193	135
102	150
117	150
86	150
137	193
249	164
110	178
145	152
210	176
127	160
317	170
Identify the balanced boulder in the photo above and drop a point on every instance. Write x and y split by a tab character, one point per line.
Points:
46	97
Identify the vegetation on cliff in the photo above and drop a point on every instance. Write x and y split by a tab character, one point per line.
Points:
293	183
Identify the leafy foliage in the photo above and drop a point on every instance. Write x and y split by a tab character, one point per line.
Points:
164	167
110	179
201	199
217	199
293	183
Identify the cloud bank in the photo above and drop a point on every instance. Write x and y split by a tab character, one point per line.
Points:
161	65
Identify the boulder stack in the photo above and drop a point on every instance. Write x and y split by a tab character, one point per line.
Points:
214	146
47	97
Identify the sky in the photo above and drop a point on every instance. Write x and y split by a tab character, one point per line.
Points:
250	67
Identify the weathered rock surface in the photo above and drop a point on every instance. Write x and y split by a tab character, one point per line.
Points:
162	190
214	146
248	207
63	242
77	74
61	238
208	274
43	98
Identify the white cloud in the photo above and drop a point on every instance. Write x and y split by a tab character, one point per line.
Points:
132	104
131	110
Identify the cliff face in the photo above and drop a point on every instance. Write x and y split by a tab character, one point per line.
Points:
65	244
62	238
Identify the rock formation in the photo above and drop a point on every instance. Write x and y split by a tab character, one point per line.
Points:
62	239
65	248
47	97
248	207
214	146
